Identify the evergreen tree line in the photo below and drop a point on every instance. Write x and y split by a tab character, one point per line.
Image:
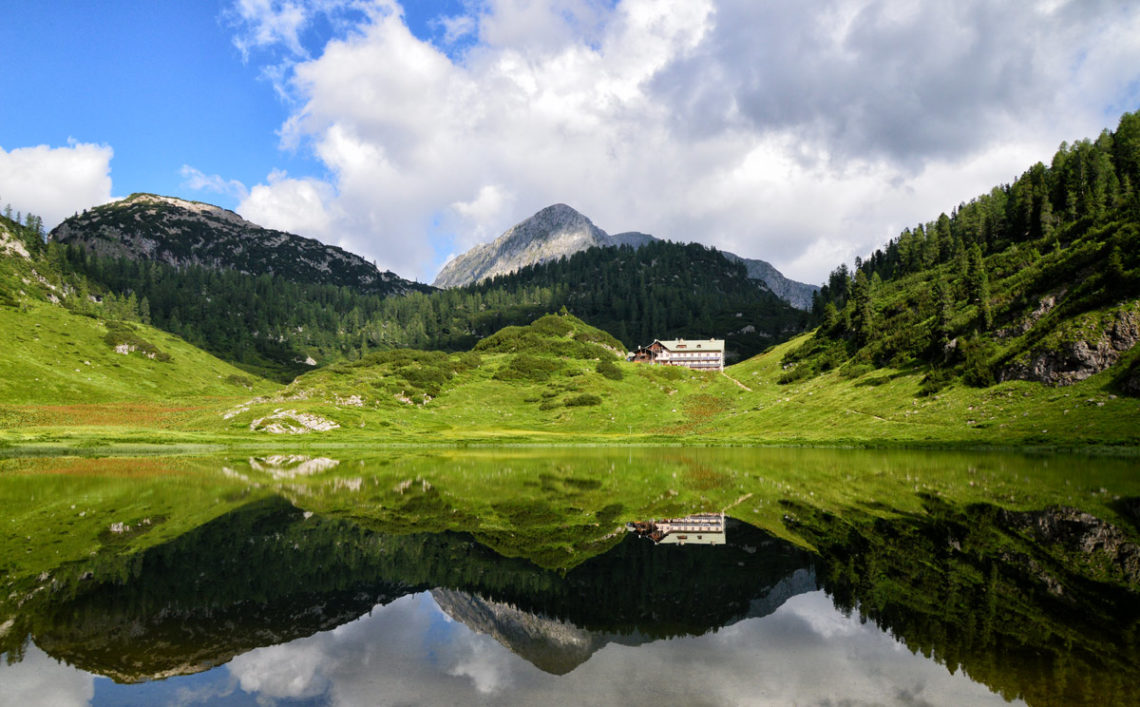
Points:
964	277
269	325
1088	181
31	221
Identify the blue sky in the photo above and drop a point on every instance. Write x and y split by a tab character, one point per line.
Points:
162	83
801	133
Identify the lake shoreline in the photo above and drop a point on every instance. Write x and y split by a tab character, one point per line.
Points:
90	447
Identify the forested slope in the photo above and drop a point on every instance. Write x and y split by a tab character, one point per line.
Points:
1036	280
271	325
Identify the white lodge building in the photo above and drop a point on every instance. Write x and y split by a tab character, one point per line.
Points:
701	354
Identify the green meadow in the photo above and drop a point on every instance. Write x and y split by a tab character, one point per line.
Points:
558	381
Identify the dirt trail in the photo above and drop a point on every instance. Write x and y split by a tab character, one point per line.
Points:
736	381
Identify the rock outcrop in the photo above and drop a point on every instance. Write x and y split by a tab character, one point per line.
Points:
559	231
189	233
797	294
1074	361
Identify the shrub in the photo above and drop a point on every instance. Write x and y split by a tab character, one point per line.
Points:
239	380
122	334
526	367
976	370
934	381
585	399
552	325
609	369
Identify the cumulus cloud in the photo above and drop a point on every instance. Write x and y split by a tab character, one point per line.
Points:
55	182
199	181
793	132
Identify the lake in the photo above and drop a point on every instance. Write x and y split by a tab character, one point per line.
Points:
512	576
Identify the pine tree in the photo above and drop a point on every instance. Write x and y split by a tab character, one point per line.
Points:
978	286
863	314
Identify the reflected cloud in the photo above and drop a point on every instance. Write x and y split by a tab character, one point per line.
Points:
804	653
40	679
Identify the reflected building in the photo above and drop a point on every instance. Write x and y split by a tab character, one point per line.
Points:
696	529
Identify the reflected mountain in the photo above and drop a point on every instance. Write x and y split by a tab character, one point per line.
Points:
558	647
1041	605
270	573
645	593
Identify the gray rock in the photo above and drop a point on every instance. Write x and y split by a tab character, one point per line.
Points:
558	231
1077	360
189	233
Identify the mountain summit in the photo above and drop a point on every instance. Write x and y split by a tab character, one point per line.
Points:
558	231
551	233
184	233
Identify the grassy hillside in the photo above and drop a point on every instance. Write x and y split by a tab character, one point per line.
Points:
1038	280
56	356
557	379
869	406
74	360
533	384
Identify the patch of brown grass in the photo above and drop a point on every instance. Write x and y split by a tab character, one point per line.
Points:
134	414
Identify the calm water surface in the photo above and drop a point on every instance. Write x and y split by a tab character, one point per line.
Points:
508	577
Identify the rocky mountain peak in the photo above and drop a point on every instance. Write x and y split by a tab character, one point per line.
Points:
553	232
195	207
559	230
183	233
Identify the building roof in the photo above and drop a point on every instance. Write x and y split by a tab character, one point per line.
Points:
692	344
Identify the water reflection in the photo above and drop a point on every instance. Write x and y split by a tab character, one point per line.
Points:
513	580
268	574
696	529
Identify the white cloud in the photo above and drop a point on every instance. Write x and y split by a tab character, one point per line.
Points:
410	652
296	205
457	27
792	132
55	182
198	181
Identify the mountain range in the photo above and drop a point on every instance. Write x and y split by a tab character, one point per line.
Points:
184	233
560	231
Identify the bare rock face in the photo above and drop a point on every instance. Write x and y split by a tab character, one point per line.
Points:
1078	360
797	294
559	231
555	231
189	233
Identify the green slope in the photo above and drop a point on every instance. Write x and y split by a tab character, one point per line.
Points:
555	379
1036	280
532	384
73	360
55	356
